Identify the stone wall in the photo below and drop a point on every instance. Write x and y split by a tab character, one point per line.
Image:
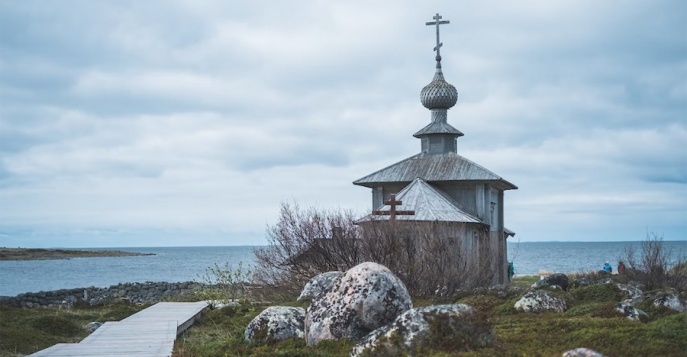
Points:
134	292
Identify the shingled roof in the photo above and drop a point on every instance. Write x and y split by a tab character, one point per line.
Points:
434	168
429	204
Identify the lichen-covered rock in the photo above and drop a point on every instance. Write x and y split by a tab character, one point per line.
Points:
582	352
364	298
92	326
318	284
276	323
671	301
540	301
632	292
450	326
559	280
630	311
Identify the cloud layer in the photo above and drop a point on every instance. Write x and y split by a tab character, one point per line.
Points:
187	123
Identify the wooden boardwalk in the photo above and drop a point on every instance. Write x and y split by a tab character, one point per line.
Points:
150	333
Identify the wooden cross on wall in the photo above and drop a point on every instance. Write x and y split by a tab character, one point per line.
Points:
392	202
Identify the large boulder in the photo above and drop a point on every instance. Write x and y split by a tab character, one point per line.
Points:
318	284
554	280
540	301
361	300
671	301
582	352
276	323
451	326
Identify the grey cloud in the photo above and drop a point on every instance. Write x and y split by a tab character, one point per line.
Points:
193	103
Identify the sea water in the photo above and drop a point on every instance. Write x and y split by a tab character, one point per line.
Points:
171	264
533	258
176	264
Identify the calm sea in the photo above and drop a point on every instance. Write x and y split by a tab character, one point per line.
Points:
175	264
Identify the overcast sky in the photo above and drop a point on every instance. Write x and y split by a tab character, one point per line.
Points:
180	123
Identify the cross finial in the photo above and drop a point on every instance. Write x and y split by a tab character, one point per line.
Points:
437	21
393	212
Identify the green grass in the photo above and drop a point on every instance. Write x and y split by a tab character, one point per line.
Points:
590	321
24	331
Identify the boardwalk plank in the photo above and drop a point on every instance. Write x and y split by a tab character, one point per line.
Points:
148	333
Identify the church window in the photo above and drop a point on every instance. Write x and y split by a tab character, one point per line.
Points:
493	213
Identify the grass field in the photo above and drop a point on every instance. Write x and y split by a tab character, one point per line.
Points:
590	321
24	331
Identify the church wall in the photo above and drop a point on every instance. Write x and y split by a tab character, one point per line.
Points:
470	245
381	194
494	208
464	194
503	241
377	196
480	202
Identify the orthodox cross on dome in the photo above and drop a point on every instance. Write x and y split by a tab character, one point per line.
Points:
437	22
392	202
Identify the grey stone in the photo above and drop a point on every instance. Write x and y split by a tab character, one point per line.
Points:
92	326
276	323
559	279
671	301
540	301
582	352
410	331
361	300
583	282
318	284
630	311
630	291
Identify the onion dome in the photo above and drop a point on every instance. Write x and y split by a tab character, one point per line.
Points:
439	94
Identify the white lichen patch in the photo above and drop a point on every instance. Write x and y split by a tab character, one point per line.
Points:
276	323
540	301
319	284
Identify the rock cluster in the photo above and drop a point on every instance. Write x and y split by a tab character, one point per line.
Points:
412	330
133	292
368	303
542	300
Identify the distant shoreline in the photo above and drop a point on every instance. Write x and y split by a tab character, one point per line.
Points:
55	254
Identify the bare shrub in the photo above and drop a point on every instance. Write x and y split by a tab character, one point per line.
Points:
429	257
224	284
651	264
304	243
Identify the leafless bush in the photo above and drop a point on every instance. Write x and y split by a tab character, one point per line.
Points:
652	264
304	243
429	257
